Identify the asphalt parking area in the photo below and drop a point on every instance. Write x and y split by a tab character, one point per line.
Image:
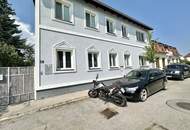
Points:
154	114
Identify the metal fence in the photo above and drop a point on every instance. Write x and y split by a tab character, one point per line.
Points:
16	84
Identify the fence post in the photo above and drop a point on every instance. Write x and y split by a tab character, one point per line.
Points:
8	84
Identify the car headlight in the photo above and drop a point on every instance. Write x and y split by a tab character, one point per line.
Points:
177	72
132	90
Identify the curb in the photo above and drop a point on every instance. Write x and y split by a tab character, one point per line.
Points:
19	115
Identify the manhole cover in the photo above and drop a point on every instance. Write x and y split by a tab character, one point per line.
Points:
183	105
179	104
109	113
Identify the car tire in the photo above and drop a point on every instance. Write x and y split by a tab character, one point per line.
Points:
143	95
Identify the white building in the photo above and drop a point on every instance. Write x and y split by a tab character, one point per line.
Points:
187	57
165	55
78	39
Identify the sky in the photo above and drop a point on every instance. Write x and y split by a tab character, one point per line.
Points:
169	18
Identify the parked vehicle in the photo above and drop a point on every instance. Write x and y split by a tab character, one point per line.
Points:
111	93
139	84
178	71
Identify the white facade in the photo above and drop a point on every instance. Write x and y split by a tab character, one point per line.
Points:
82	41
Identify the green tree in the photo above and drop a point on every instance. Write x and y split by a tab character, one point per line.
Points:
11	36
150	54
9	56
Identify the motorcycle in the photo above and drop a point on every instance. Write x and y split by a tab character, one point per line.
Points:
111	93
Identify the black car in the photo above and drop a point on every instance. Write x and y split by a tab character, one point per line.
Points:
178	71
139	84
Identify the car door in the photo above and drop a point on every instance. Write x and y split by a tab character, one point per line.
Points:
152	82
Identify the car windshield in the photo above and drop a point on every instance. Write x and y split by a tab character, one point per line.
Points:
174	67
137	74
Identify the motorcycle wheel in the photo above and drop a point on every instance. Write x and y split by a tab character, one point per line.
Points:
119	100
93	93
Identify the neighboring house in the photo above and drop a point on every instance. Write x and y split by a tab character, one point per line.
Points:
78	39
187	57
165	55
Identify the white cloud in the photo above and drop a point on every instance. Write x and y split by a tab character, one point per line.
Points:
26	31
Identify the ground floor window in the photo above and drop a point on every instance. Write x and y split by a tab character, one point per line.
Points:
127	60
64	59
142	61
113	59
157	63
93	60
163	62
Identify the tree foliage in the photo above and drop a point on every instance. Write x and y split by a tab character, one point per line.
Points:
11	41
150	50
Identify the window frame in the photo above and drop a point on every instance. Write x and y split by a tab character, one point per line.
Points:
144	61
113	24
141	37
92	13
64	69
127	33
129	60
71	11
116	60
98	60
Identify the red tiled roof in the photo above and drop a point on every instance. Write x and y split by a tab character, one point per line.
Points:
164	48
188	55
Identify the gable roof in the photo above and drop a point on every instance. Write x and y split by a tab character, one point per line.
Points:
164	48
188	55
108	8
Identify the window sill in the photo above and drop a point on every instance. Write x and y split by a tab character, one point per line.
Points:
92	29
65	71
128	67
112	34
62	21
94	69
114	68
125	37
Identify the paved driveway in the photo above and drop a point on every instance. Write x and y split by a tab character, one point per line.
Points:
153	114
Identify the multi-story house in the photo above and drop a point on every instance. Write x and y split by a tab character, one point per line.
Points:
165	55
78	39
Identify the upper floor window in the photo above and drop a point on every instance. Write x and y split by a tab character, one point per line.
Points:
124	31
63	11
91	19
140	36
110	26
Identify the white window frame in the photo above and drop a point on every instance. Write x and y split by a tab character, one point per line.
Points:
116	60
96	19
129	60
71	12
114	27
98	60
127	33
143	36
64	69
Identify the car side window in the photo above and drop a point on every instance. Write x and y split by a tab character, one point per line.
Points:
152	75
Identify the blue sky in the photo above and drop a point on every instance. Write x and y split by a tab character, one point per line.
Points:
169	18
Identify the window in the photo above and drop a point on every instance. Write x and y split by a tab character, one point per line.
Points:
91	19
124	31
63	11
110	26
64	59
93	60
140	36
112	59
142	61
127	60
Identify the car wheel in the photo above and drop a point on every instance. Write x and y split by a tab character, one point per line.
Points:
182	77
143	95
164	85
